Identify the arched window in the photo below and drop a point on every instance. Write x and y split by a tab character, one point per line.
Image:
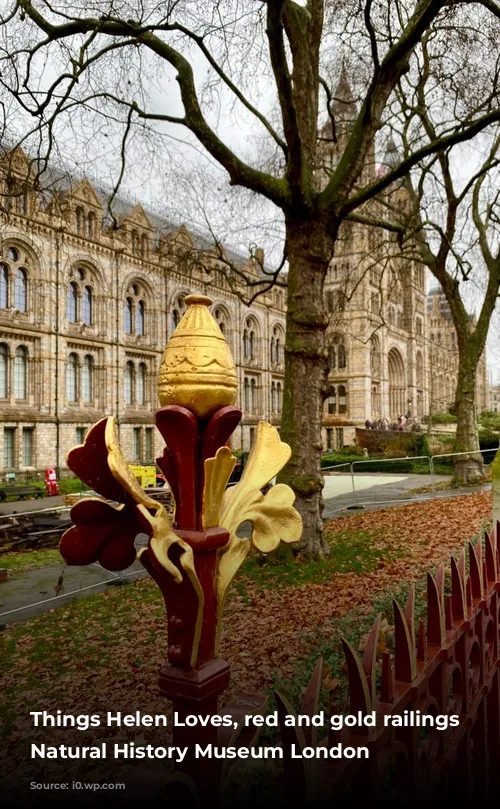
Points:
253	400
90	225
332	359
375	357
419	369
135	242
246	389
279	397
71	378
332	403
4	374
20	372
80	219
251	345
245	343
87	306
342	399
277	351
87	378
144	245
342	357
273	397
4	287
20	289
175	319
140	391
177	312
139	318
129	382
128	316
272	350
72	303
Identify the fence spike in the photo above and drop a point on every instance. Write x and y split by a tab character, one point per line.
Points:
387	679
421	640
435	617
311	701
369	661
410	614
448	614
458	604
469	594
461	565
475	573
491	556
404	655
359	691
296	773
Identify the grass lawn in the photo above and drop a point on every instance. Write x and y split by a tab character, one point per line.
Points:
103	653
19	561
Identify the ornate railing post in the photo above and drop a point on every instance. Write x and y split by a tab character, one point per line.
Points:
194	560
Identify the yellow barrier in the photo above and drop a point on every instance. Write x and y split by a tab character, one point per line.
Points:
145	475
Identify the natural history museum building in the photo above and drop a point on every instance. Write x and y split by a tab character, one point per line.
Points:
87	305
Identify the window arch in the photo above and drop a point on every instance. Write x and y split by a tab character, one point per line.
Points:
332	358
72	303
342	357
4	371
129	382
80	221
91	229
397	384
419	369
245	343
342	399
140	394
4	286
20	289
20	372
375	356
251	345
87	378
140	318
128	315
253	397
72	378
178	309
222	319
337	355
87	306
246	390
279	396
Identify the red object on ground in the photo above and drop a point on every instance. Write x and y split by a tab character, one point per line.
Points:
51	482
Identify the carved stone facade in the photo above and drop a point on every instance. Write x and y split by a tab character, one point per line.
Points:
88	302
86	310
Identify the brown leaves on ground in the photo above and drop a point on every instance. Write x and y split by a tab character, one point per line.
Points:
103	653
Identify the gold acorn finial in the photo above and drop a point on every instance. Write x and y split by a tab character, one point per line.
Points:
197	370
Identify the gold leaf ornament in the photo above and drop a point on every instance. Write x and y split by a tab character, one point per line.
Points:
272	515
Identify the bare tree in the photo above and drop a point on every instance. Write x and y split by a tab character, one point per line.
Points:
118	64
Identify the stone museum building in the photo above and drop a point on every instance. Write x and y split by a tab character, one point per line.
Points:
88	301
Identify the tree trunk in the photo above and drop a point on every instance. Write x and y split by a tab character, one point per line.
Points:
309	249
468	468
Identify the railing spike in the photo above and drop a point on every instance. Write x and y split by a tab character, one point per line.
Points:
387	680
475	573
458	602
421	640
404	655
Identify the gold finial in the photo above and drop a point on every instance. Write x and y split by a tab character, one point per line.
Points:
197	370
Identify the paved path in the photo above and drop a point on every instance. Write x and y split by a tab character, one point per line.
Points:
20	506
26	590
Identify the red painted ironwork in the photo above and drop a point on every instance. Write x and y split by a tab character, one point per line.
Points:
448	665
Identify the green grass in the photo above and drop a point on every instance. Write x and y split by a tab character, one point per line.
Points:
350	551
19	561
